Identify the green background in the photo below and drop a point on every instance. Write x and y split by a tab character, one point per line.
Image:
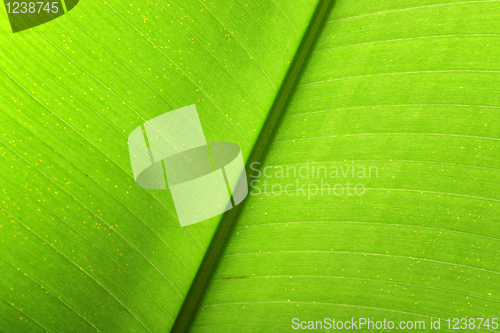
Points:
410	87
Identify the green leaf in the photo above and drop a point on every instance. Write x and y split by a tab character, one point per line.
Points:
406	90
410	89
85	248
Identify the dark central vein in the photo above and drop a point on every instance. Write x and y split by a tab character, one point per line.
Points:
201	282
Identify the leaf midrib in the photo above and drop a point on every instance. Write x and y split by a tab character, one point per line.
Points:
187	314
